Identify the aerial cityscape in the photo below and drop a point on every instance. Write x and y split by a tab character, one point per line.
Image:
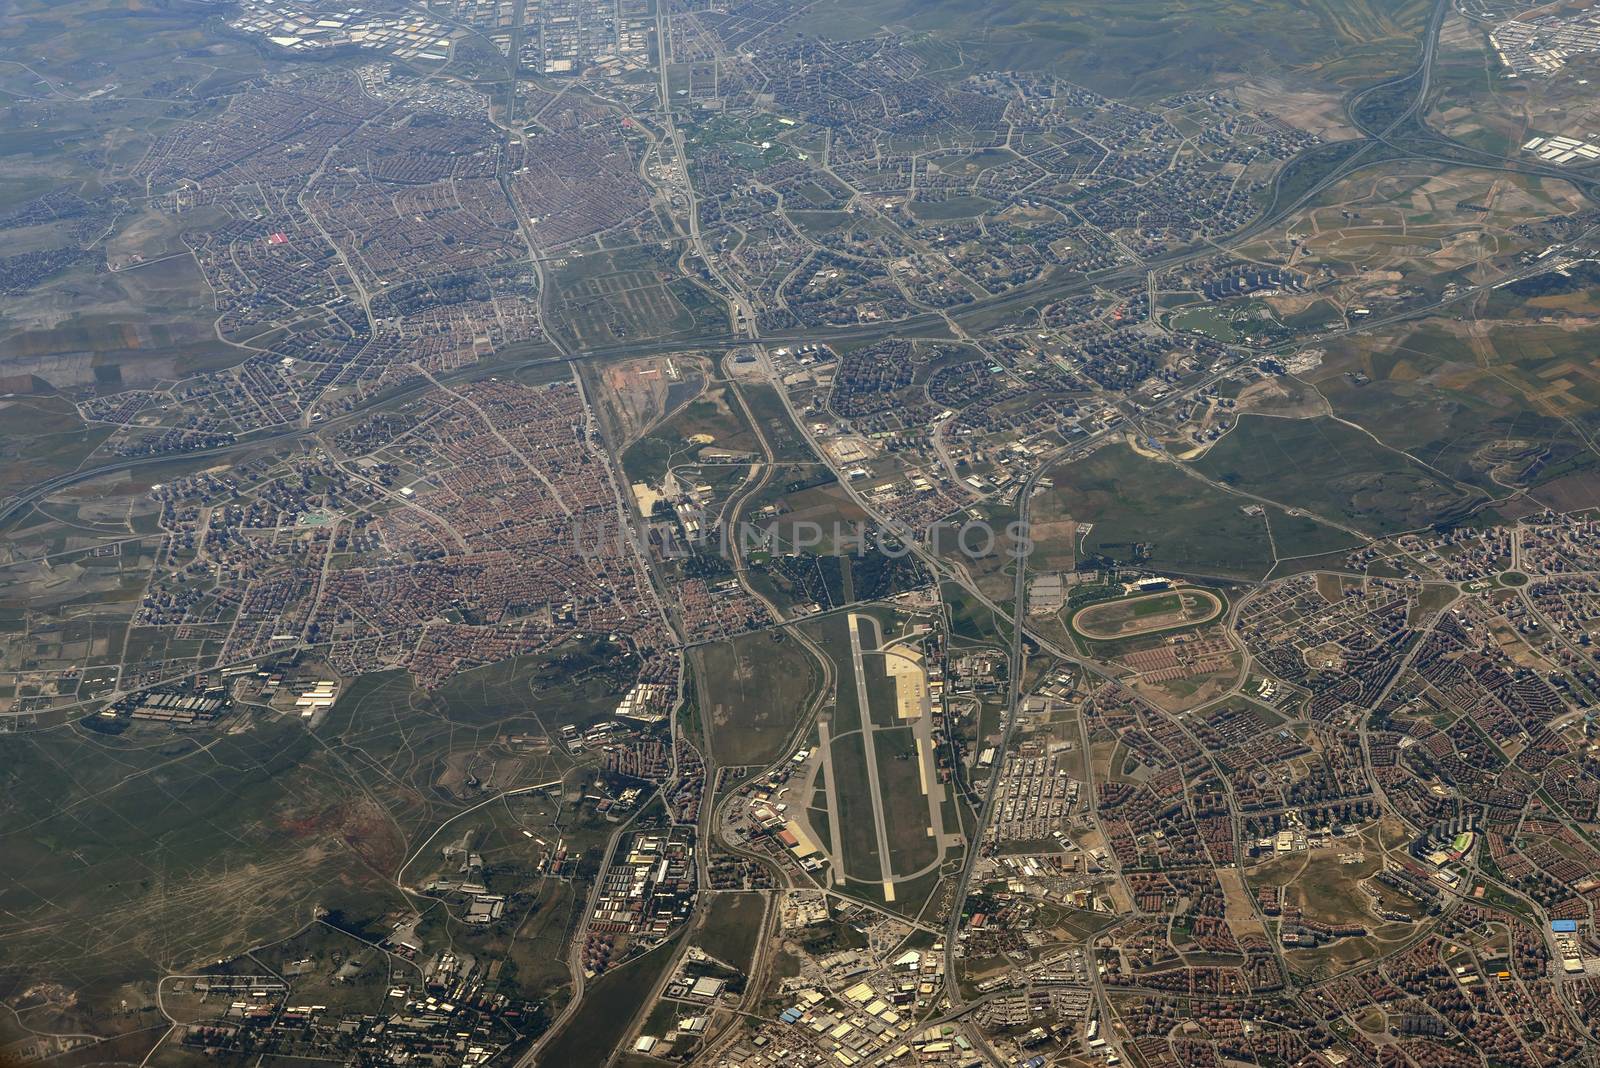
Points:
800	534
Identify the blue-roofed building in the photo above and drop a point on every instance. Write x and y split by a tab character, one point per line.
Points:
1563	926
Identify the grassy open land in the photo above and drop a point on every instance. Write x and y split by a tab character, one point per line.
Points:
609	1006
1053	547
712	421
1333	469
715	416
133	854
97	593
882	710
824	503
235	837
1331	885
1142	510
630	294
1298	536
905	806
1552	365
535	950
855	815
511	858
832	634
579	683
1477	101
134	328
1566	297
783	438
80	45
1401	230
957	207
731	927
314	958
1211	321
41	437
79	325
1495	405
1151	47
971	619
754	689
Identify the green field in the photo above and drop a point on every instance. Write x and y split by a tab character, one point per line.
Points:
1504	411
785	441
135	854
626	295
754	690
609	1006
731	928
1209	321
881	706
832	634
1332	469
959	207
1151	47
1296	536
80	867
41	437
1131	617
1145	511
905	806
855	816
971	619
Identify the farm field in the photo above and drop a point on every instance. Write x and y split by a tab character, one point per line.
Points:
1395	232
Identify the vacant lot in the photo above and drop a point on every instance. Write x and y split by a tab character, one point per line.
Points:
754	690
1148	47
1143	510
1335	470
609	1006
730	928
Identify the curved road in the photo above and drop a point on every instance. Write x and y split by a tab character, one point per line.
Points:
1018	299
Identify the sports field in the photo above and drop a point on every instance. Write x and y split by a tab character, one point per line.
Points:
1146	614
